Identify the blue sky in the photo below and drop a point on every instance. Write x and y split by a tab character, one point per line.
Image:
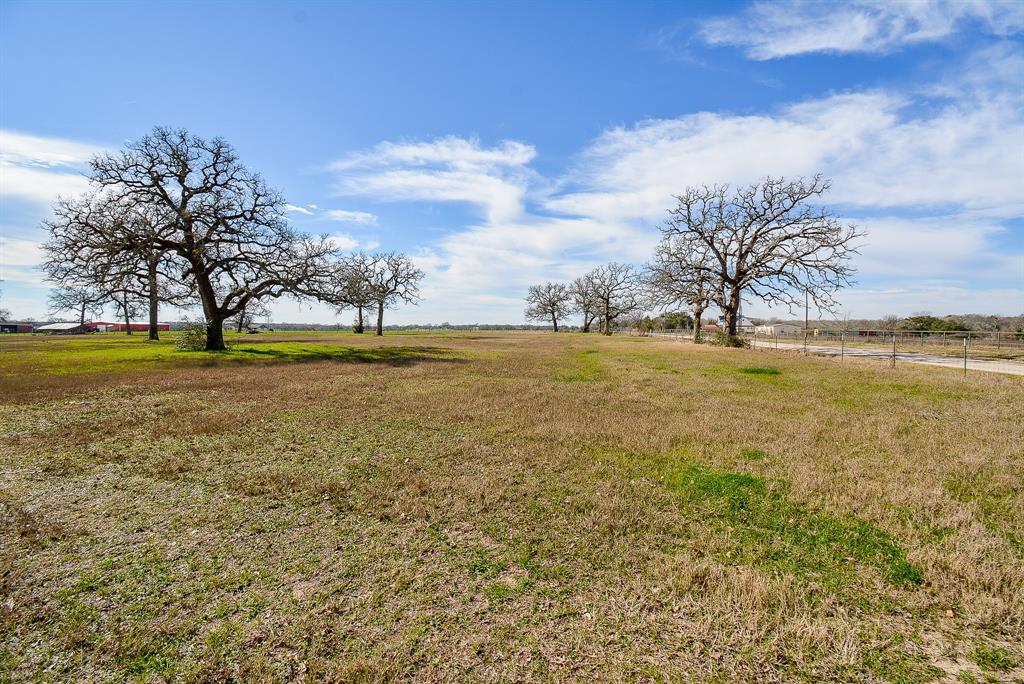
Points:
506	144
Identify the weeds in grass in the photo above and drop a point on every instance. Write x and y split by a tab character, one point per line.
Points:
993	658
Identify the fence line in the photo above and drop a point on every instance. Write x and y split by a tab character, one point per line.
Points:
989	350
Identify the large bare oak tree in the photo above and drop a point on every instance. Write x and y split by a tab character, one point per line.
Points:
227	226
767	239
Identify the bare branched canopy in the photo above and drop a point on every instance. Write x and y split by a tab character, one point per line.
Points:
765	239
584	301
681	276
226	226
617	291
392	278
80	300
109	245
548	302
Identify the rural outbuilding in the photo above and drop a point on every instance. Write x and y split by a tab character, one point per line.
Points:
779	329
105	326
7	327
66	328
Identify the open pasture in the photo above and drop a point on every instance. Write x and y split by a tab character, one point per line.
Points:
503	506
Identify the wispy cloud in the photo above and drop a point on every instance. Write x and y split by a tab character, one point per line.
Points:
344	216
449	169
770	30
295	209
935	164
39	168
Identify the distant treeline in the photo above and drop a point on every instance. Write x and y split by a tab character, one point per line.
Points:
180	325
919	321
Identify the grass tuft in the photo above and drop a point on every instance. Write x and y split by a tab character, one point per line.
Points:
760	370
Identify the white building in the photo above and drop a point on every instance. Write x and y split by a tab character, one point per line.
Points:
780	329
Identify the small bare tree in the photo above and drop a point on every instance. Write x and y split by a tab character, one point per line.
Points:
111	246
765	239
246	318
79	299
549	301
680	275
584	301
393	278
617	290
355	276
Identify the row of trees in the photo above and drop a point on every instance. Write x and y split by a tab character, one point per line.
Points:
177	219
768	240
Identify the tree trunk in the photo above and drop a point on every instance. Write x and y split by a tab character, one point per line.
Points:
82	319
154	303
587	320
127	316
732	312
214	319
215	335
241	321
359	320
554	322
698	323
380	318
606	325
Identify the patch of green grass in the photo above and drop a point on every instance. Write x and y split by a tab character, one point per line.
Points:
898	667
98	354
753	454
760	370
483	564
759	525
993	658
585	368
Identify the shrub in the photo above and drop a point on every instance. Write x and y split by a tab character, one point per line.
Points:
722	339
192	338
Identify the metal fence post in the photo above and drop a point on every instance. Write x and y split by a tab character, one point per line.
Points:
965	357
894	350
842	345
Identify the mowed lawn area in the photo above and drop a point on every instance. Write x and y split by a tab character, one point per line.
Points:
503	507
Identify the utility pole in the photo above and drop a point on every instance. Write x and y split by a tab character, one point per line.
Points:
807	308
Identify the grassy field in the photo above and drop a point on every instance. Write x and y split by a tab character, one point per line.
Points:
503	507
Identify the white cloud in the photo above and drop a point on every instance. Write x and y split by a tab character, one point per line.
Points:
297	209
344	216
449	169
770	30
19	252
877	151
939	162
34	150
344	241
39	168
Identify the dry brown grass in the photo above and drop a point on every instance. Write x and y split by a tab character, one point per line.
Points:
545	508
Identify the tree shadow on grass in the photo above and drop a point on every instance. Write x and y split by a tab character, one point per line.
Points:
391	356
